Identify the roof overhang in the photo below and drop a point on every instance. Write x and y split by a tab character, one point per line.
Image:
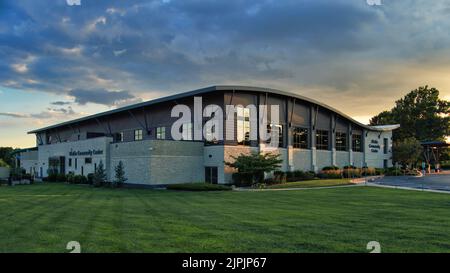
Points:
212	89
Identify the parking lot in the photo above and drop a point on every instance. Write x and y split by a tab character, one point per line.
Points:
432	182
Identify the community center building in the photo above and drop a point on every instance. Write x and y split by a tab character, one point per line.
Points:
312	135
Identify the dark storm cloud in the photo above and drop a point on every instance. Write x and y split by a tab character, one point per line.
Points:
100	96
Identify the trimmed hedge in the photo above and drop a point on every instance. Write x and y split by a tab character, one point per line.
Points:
198	187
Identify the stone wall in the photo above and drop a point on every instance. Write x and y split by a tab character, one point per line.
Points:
342	158
155	162
78	166
301	160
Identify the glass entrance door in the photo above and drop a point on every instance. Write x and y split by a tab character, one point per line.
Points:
211	175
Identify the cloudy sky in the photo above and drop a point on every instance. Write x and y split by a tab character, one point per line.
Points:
60	61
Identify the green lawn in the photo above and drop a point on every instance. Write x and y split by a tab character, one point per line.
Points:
43	218
312	184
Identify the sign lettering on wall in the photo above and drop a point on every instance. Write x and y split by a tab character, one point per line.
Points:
374	146
85	153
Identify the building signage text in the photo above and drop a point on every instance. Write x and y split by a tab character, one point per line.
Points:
374	146
85	153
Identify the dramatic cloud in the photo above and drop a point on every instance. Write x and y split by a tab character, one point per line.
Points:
101	96
50	113
13	115
61	103
356	57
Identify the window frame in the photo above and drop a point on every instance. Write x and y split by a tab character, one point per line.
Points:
138	134
161	132
298	144
341	146
187	131
354	146
243	128
319	144
280	134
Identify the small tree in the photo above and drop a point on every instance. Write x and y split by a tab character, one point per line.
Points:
99	175
120	175
407	152
254	166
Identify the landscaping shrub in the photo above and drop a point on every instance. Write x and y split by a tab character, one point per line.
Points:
120	175
392	171
61	178
198	187
368	171
255	165
242	179
280	177
17	173
445	166
330	168
90	178
69	177
352	172
53	177
299	175
77	179
99	176
379	171
330	172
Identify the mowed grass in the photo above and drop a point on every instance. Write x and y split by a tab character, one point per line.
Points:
43	218
312	184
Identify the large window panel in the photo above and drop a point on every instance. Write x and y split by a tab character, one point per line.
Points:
138	134
341	141
356	143
322	140
300	138
276	128
186	133
243	125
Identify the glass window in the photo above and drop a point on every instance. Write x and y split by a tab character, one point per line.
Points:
356	143
385	146
278	128
300	137
243	125
186	133
70	162
341	141
322	140
138	134
161	133
88	160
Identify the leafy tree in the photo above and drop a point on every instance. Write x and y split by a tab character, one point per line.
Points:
421	114
255	165
407	152
99	175
3	163
120	174
6	155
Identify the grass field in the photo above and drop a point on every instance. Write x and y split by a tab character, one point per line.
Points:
43	218
312	184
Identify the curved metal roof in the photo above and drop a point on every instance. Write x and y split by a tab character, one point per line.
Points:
218	88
